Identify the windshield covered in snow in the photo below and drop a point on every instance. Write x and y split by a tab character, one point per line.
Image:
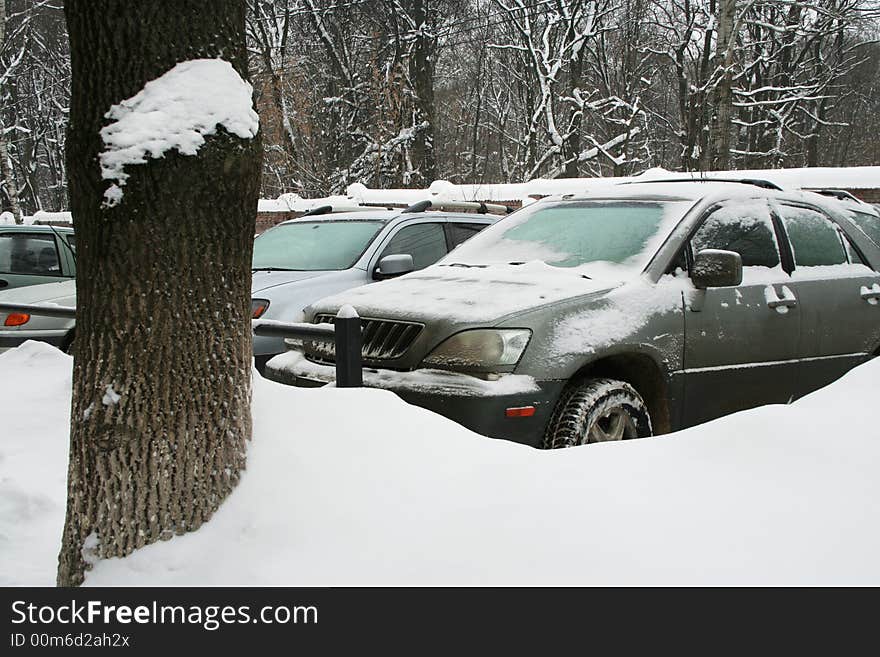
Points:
314	245
604	237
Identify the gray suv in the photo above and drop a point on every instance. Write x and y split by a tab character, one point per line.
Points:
636	310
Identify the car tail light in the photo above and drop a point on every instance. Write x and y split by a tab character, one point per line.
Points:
258	307
16	319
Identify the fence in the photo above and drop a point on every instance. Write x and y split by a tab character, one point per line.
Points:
344	333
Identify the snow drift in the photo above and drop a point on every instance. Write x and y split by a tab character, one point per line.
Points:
356	487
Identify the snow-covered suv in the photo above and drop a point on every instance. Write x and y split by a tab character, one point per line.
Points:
634	310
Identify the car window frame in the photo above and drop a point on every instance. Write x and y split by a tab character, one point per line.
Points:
786	260
41	234
455	221
841	234
393	230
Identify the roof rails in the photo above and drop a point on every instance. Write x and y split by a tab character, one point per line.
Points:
839	194
480	208
330	209
757	182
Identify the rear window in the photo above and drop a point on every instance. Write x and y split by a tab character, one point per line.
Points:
32	254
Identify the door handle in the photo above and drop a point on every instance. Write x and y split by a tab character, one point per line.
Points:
871	294
783	303
3	283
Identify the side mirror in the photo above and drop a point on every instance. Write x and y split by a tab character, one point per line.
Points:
394	265
716	268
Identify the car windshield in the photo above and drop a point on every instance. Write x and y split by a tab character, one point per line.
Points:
314	245
604	237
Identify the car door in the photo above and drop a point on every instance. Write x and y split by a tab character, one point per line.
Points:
838	293
740	342
28	258
424	241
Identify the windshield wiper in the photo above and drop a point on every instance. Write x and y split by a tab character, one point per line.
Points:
253	269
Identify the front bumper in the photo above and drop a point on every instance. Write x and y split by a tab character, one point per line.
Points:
475	403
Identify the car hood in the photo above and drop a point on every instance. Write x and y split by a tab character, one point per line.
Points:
466	294
264	280
62	293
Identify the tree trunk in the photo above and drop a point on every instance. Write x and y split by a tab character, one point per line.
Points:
723	101
6	171
160	416
421	74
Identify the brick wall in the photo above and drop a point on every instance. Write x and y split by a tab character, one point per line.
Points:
871	195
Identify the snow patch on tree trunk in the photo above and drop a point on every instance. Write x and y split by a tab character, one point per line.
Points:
176	111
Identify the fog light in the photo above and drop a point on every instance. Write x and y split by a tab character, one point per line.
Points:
520	411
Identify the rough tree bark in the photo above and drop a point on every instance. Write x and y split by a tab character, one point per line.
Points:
421	73
6	171
161	386
723	96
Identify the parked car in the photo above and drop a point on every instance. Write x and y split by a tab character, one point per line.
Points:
18	327
30	255
297	262
304	259
636	310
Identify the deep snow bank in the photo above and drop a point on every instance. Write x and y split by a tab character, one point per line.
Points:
34	416
356	487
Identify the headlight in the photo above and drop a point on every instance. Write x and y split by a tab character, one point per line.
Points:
481	348
258	307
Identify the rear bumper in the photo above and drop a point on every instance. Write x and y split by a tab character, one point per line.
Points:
12	339
476	404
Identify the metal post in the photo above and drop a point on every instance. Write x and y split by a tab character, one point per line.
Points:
349	363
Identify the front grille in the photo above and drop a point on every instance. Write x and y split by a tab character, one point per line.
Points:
382	340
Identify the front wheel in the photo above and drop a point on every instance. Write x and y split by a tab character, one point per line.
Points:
595	411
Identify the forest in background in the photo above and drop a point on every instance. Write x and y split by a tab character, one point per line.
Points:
398	93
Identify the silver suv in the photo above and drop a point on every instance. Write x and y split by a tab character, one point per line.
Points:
304	259
639	309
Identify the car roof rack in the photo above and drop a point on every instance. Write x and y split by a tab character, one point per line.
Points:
757	182
331	209
839	194
476	206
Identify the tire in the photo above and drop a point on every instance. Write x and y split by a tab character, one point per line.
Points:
597	410
67	345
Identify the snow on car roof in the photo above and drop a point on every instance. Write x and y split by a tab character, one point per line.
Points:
669	191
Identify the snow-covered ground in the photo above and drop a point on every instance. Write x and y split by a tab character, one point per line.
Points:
357	487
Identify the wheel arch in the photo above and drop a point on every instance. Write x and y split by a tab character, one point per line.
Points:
644	372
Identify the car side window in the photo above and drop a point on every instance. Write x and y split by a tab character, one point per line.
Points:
745	228
815	240
29	254
868	224
459	233
426	243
